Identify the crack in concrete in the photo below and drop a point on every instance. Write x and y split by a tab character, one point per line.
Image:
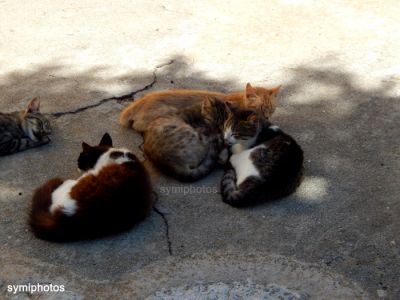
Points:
124	98
119	98
166	228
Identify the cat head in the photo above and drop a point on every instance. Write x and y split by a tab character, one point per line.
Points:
261	99
90	154
35	125
214	111
241	126
103	154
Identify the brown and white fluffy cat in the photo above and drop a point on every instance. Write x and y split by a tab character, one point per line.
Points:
186	144
111	196
145	110
265	163
21	130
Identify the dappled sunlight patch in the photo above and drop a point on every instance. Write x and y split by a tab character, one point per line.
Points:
343	107
313	189
297	2
116	88
315	92
7	192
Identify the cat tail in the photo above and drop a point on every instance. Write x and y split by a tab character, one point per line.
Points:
44	224
235	196
204	167
297	180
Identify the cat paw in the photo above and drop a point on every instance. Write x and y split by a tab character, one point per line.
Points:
230	174
223	156
45	140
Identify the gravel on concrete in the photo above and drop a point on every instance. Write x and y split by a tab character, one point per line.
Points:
337	237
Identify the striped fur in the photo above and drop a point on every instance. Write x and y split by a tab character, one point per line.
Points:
244	195
186	145
183	171
23	130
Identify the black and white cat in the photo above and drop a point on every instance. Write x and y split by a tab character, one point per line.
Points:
112	195
265	162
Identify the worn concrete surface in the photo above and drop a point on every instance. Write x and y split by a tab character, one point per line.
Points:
339	63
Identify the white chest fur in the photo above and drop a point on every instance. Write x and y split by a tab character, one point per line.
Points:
243	165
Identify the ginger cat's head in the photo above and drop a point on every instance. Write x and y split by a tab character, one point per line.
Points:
262	99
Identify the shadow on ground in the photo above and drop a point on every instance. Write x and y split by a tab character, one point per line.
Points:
344	216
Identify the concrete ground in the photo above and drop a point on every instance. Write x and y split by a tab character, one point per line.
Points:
339	63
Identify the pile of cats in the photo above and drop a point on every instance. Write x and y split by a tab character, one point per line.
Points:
187	133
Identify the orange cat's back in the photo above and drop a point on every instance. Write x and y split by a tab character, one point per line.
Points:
144	110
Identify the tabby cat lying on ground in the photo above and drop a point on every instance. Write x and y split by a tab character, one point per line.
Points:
21	130
186	144
265	164
111	196
143	111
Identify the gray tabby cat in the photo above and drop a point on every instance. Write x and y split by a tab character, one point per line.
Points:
265	164
21	130
186	144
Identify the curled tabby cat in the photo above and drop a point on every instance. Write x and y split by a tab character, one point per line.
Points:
21	130
186	144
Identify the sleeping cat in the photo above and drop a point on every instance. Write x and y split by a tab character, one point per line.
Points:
186	145
265	164
142	112
111	196
21	130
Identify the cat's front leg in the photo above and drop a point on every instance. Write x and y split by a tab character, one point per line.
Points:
223	156
228	182
27	143
45	140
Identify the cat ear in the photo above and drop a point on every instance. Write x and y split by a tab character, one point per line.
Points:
229	107
208	101
257	116
275	90
86	147
253	117
207	106
33	106
106	140
266	109
250	91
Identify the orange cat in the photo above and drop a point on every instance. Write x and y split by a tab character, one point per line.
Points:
143	111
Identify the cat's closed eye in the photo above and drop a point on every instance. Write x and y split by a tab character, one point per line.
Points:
131	156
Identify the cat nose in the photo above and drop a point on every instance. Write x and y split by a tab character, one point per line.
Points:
130	156
228	142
